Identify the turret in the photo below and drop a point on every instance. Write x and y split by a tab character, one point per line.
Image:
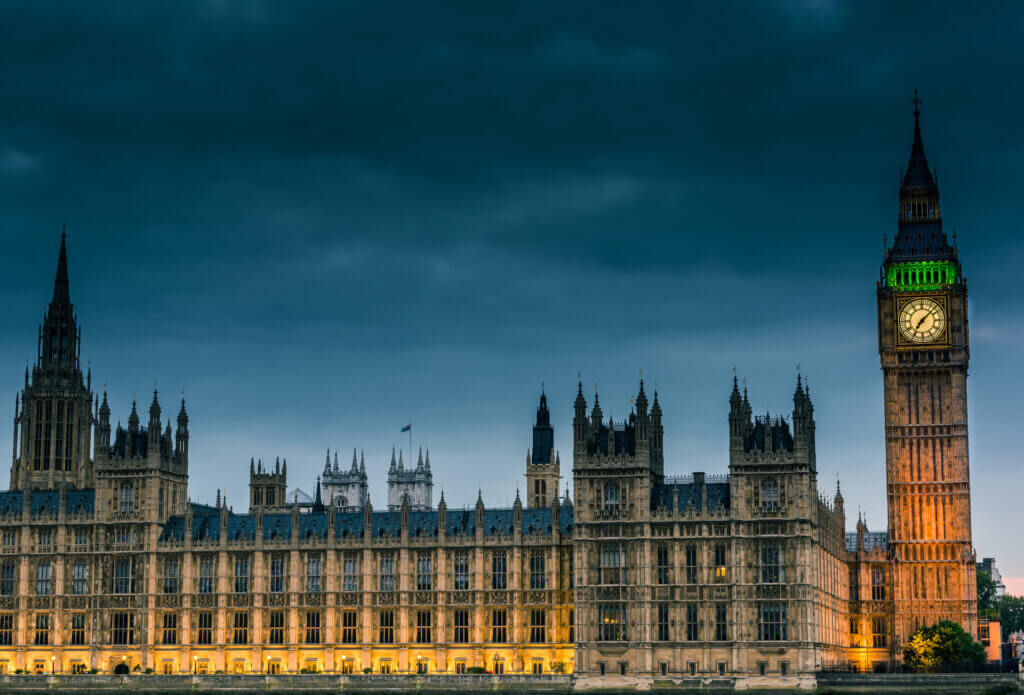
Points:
103	427
181	438
154	424
579	418
542	466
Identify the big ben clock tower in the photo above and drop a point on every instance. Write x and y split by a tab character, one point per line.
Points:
924	349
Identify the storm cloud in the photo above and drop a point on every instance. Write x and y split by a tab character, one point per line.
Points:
325	220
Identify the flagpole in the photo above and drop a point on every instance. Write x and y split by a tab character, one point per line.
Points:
410	445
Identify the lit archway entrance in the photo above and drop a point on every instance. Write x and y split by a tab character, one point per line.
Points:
121	669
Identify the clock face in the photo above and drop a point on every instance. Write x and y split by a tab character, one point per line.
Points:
922	320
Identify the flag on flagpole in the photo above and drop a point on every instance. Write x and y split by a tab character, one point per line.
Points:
407	428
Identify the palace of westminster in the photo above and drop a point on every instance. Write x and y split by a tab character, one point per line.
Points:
106	565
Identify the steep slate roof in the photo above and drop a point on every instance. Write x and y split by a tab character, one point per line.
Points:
872	540
48	501
687	493
206	523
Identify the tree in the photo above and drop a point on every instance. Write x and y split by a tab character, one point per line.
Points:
1011	614
944	646
986	595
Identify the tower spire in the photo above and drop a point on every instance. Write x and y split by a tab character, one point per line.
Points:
61	284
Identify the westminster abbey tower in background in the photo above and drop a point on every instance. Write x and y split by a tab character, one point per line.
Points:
645	572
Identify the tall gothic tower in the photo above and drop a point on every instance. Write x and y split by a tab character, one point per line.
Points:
924	349
53	422
542	462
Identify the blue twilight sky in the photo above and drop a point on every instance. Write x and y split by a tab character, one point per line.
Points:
323	221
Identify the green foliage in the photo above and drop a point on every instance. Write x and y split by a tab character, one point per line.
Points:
476	669
149	670
944	646
367	671
1011	614
986	594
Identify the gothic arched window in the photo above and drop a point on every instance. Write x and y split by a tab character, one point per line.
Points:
769	494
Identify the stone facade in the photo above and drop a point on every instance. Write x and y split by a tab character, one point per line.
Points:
748	575
413	484
345	490
924	347
705	575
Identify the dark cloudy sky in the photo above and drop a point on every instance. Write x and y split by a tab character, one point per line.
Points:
323	221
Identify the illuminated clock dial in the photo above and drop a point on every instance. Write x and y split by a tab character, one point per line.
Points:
922	320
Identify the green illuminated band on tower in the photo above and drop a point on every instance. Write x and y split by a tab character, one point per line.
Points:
921	275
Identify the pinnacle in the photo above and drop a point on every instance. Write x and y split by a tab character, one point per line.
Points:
61	284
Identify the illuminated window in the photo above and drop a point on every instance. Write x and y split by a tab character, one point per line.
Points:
720	562
611	622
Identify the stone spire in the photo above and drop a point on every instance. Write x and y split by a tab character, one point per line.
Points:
61	283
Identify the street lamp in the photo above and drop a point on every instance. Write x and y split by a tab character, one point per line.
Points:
53	665
194	663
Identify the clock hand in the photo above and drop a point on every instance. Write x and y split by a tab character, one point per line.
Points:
922	320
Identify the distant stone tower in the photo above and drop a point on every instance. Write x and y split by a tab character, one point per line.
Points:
542	462
345	490
53	416
144	472
417	483
924	349
268	487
